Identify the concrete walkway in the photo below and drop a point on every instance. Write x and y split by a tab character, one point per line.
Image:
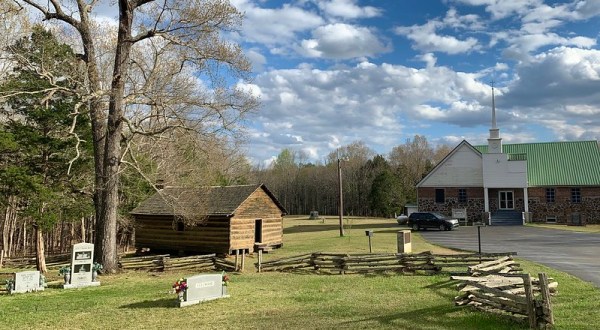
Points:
572	252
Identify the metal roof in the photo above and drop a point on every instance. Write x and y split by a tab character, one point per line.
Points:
574	163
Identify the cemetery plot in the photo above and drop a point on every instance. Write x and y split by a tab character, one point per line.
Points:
203	287
29	281
82	261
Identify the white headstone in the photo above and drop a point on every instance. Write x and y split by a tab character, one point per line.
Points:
27	282
82	261
203	287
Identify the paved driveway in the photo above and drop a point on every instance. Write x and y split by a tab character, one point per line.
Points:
575	253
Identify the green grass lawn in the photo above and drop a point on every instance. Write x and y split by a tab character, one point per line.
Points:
140	300
585	229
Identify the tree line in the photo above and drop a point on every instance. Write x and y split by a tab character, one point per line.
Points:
372	184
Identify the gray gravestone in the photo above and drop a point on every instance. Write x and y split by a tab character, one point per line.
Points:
203	287
82	261
27	282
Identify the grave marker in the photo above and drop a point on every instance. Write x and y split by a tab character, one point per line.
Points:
82	260
27	282
203	287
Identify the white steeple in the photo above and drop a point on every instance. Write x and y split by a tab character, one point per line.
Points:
494	141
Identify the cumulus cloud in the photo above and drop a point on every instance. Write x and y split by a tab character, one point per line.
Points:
275	26
563	75
500	9
342	41
347	9
367	102
426	39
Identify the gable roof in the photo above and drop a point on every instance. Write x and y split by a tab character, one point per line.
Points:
445	159
215	200
574	163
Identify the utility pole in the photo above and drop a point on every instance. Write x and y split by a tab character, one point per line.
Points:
341	199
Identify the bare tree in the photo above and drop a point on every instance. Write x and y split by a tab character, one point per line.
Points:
187	54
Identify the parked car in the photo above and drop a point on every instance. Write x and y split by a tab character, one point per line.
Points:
424	220
402	219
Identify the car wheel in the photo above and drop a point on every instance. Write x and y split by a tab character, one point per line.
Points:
415	227
442	227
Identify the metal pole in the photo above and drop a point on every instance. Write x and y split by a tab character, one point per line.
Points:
341	199
370	249
479	241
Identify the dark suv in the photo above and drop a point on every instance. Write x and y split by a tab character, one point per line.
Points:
418	220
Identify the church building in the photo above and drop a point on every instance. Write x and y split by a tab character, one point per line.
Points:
509	184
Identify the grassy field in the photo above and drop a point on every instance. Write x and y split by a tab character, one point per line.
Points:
584	229
139	300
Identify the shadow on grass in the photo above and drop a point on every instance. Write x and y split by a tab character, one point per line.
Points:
317	228
440	317
161	303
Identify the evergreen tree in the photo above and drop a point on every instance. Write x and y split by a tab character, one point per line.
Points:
42	137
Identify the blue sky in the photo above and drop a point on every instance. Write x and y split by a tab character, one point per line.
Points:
331	72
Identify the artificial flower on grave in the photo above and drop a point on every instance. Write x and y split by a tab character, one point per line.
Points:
180	285
225	279
10	284
64	270
97	267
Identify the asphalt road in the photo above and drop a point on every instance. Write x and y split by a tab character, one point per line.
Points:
575	253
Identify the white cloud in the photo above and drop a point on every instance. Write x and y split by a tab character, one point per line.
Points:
342	41
347	9
522	46
275	26
562	75
257	59
426	39
504	8
429	59
368	102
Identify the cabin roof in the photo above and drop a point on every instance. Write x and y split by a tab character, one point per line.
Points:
214	200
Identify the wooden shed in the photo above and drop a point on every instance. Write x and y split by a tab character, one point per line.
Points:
225	219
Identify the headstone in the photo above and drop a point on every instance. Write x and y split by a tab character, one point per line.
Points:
27	282
82	260
314	215
203	287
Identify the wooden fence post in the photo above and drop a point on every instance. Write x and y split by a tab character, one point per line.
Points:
259	259
548	316
165	263
243	260
1	258
530	301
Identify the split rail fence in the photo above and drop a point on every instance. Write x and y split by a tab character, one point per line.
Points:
346	263
164	262
517	296
157	263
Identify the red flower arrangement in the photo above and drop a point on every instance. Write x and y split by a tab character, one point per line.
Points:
180	285
225	279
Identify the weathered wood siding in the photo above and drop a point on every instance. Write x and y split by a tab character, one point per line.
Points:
258	206
160	232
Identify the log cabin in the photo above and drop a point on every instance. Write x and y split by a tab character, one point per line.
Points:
209	219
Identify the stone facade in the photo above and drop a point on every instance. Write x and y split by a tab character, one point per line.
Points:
562	208
475	204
